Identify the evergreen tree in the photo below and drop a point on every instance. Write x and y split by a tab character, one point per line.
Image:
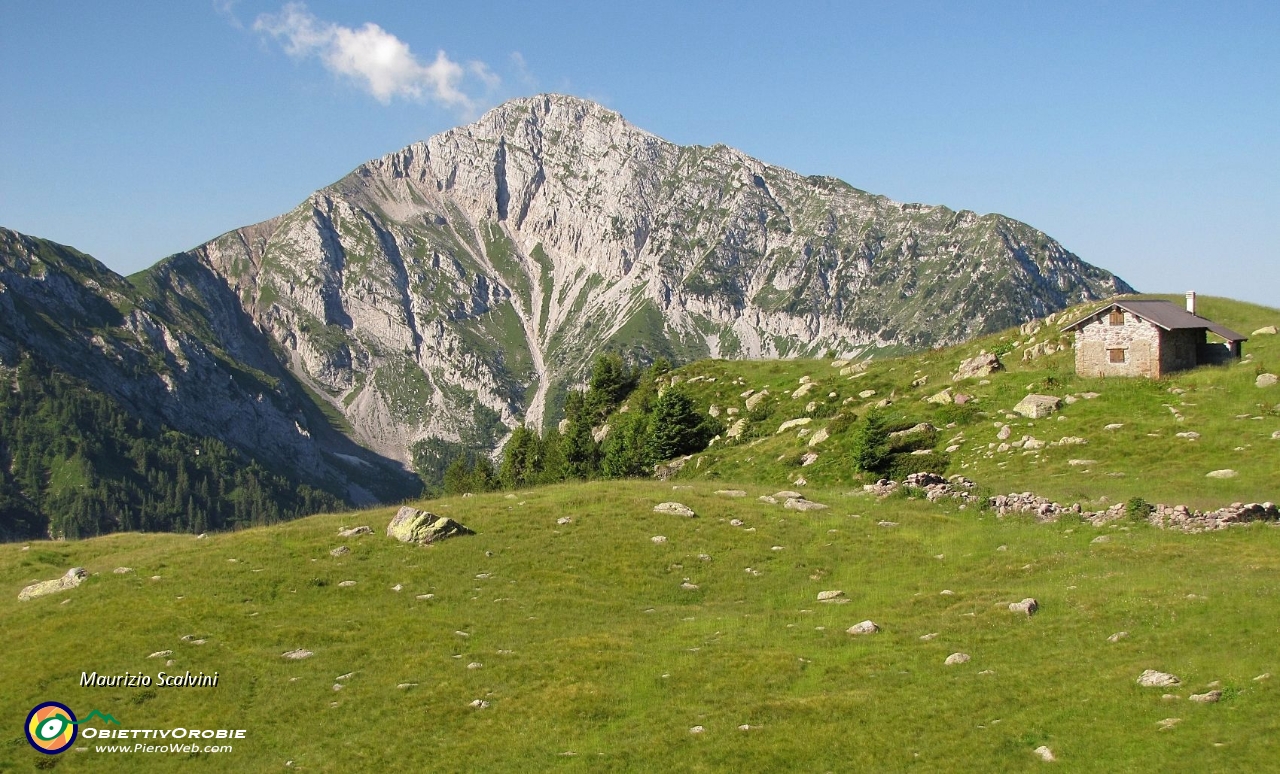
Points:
520	459
675	428
625	450
871	443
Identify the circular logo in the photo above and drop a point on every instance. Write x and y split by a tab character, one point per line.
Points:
51	727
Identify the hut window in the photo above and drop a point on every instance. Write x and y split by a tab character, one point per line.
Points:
1116	355
1117	318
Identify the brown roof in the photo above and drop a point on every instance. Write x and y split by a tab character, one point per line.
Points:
1164	314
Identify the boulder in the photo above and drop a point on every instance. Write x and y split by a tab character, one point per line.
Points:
1212	697
736	429
1224	473
1038	406
70	580
411	525
675	509
827	596
296	655
819	437
982	364
866	627
790	423
756	400
340	551
1028	606
942	397
801	504
1045	754
1150	678
355	531
956	658
1266	380
1269	330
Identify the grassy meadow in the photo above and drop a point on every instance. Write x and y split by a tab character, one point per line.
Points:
589	646
593	657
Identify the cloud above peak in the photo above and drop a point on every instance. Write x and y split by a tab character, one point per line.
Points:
374	59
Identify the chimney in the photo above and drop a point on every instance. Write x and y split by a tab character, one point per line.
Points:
1191	301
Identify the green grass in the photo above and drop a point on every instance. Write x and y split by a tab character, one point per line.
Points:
1144	458
590	646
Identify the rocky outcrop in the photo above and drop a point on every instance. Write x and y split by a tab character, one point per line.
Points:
411	525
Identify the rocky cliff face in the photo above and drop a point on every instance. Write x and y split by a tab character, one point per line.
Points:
458	287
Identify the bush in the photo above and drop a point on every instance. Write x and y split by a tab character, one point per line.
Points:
870	452
899	466
1138	509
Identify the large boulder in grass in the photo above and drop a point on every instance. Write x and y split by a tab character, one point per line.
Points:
1038	406
70	580
411	525
978	366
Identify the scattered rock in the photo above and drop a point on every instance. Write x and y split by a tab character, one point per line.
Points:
1045	754
808	459
479	704
161	654
659	539
69	580
355	532
866	394
928	637
787	494
411	525
674	509
1168	723
1266	380
735	522
347	584
697	730
1004	433
406	686
941	398
866	627
1101	539
791	423
122	570
1190	435
563	520
982	364
425	596
687	586
1114	426
1038	406
397	587
827	596
1079	463
819	437
801	504
1028	606
1150	678
1117	636
1269	330
956	658
1212	697
298	654
475	665
770	499
1224	473
731	493
756	399
340	551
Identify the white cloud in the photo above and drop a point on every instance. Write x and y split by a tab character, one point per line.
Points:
373	58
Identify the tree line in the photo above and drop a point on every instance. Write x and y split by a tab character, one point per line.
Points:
620	426
74	464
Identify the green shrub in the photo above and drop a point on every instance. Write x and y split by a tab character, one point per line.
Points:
1138	509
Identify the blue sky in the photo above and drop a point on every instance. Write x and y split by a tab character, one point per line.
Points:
1143	136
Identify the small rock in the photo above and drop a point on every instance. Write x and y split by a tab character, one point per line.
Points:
687	586
300	653
338	686
397	587
956	658
406	686
1212	697
697	730
928	637
731	493
1168	723
1150	678
479	704
347	583
1114	426
1045	754
1224	473
866	627
122	570
563	520
826	596
355	532
1101	539
735	522
1261	677
425	596
674	509
161	654
886	523
1037	406
1266	380
1028	606
340	551
801	504
475	665
658	539
1117	636
1269	330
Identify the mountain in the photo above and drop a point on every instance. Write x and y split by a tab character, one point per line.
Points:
437	297
459	286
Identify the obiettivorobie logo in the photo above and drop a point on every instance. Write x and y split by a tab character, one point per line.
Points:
52	727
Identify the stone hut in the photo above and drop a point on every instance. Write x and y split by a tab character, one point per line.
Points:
1149	338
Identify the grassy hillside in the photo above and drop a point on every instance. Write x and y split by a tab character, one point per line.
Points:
592	656
1234	419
